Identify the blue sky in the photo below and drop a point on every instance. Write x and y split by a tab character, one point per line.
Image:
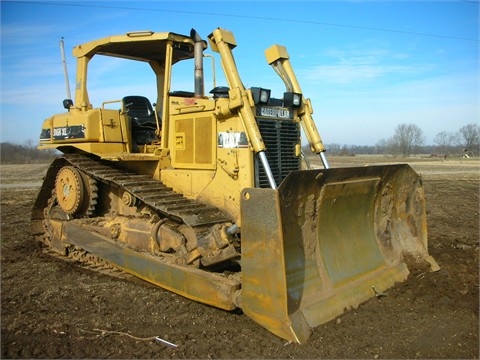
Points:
367	66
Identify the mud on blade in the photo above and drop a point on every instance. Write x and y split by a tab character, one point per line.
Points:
326	240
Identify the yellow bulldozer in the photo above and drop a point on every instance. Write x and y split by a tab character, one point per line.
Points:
208	196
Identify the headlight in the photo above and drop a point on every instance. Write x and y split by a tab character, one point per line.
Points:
67	103
292	100
260	96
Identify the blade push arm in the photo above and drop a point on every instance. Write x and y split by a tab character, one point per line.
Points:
277	56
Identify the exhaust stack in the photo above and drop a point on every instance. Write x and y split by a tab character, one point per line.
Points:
199	46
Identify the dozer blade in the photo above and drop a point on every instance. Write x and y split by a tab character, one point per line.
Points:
328	240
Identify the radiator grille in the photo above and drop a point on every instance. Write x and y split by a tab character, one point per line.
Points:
280	138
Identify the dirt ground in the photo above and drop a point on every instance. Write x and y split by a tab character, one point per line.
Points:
56	309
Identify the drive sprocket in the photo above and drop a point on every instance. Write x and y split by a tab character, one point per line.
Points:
75	193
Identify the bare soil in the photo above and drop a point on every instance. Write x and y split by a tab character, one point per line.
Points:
52	308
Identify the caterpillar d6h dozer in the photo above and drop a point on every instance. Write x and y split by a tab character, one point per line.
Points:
206	195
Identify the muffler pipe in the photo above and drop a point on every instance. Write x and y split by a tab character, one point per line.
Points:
198	47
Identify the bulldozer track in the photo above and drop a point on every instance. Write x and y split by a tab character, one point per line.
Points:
76	254
90	262
151	192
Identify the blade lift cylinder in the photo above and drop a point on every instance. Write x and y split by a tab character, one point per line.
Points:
222	41
277	56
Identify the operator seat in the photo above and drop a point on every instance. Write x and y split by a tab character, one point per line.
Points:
142	117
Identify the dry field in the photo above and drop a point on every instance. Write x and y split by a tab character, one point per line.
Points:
57	309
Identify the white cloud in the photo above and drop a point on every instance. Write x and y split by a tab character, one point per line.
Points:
345	73
362	63
35	94
22	32
354	115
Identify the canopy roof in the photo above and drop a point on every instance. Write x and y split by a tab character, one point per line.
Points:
141	46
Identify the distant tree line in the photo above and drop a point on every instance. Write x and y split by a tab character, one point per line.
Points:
24	154
467	139
408	139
